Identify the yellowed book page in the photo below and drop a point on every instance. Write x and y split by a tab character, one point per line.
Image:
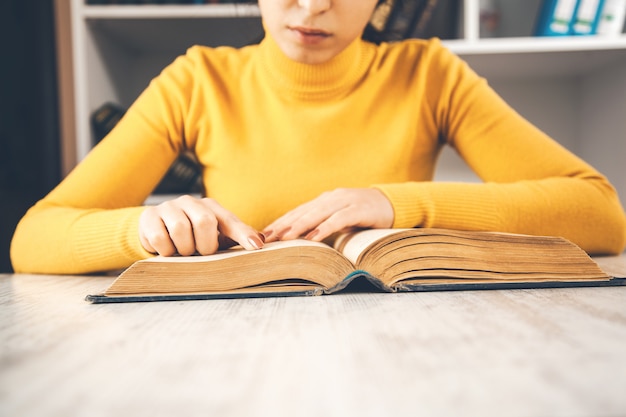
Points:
353	244
234	251
235	270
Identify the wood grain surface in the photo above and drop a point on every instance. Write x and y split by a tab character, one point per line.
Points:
550	352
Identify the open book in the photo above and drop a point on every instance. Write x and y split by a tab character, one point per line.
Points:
391	259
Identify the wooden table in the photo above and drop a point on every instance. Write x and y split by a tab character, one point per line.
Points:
552	352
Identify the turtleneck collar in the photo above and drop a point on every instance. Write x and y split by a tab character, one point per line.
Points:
331	79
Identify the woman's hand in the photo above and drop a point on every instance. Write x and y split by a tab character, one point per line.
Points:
189	225
331	212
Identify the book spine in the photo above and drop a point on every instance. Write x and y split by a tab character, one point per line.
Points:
612	17
555	17
587	17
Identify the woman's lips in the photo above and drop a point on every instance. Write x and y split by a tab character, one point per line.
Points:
309	36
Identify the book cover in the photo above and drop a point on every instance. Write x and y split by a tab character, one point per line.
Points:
586	17
612	17
555	17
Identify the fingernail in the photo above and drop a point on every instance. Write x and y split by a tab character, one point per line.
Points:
255	241
312	234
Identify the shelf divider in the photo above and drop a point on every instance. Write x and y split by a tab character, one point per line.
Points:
471	21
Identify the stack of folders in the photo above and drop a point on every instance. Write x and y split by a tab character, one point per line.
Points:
581	17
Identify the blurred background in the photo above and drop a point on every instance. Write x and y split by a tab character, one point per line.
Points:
29	134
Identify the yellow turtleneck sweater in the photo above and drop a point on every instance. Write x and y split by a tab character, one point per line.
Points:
271	133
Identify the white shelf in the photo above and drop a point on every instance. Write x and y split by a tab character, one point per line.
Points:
532	44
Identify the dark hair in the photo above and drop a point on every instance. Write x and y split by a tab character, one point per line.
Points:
375	29
394	20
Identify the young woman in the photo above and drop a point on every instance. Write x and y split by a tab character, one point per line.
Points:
312	131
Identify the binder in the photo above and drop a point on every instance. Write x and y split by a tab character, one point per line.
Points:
611	21
586	17
555	17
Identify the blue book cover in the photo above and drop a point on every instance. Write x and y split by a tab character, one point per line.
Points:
555	17
587	17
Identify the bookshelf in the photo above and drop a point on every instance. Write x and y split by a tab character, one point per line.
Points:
574	88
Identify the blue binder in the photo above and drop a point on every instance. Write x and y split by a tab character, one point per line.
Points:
556	17
587	17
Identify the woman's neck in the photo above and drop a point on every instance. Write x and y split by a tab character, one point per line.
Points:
333	78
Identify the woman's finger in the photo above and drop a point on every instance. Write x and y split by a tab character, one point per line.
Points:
231	227
204	225
301	219
178	226
333	212
153	234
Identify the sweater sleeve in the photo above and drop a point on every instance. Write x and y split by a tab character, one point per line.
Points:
89	222
530	185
